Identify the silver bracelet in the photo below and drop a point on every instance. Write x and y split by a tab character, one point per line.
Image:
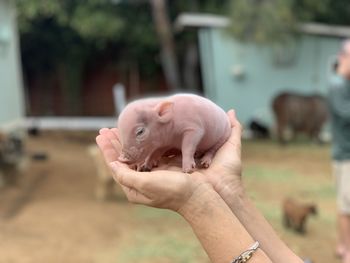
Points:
246	255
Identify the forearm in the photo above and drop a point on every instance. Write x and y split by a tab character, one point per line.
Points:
219	231
258	227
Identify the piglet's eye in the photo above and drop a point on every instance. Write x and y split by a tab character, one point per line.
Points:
140	131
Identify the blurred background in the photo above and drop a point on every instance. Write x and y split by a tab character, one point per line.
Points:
68	67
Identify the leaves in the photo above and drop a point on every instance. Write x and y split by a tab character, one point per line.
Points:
96	24
271	21
92	20
261	21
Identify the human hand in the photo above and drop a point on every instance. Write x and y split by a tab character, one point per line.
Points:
224	173
165	187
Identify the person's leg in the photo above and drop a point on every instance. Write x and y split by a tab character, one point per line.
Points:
340	247
344	222
344	210
343	233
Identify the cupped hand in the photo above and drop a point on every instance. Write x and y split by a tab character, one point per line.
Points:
224	173
164	187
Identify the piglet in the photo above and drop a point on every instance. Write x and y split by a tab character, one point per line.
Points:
191	123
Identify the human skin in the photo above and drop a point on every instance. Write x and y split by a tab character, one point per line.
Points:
221	181
150	127
343	68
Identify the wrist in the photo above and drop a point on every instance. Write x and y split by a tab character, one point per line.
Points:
233	195
203	197
220	232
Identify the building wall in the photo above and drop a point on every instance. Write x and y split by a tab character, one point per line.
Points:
11	93
250	94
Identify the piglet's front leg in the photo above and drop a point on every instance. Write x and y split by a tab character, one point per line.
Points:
147	165
151	161
190	142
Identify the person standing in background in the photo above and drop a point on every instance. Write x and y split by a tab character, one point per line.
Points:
339	109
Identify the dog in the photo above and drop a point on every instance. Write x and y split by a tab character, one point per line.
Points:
295	214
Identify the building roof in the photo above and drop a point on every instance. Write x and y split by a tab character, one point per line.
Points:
200	20
211	20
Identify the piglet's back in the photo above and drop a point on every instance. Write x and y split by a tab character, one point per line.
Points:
193	111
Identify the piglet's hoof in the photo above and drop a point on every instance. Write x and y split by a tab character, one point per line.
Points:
189	168
205	161
155	163
144	168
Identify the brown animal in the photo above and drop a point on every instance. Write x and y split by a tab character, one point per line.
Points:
295	214
300	113
12	159
106	187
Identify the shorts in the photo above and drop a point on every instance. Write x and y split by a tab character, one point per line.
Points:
341	170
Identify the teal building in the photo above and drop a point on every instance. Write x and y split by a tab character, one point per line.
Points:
246	77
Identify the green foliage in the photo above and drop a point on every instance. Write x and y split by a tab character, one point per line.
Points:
28	10
93	20
262	21
270	21
336	12
309	10
96	24
54	32
200	6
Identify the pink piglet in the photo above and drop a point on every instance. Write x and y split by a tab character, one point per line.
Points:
191	123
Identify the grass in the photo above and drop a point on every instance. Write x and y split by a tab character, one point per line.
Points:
260	173
162	236
161	247
271	173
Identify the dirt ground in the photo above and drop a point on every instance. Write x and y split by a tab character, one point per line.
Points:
53	216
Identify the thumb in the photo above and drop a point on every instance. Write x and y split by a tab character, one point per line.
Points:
126	176
131	183
236	130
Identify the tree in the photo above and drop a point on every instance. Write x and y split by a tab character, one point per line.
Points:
168	56
59	37
271	21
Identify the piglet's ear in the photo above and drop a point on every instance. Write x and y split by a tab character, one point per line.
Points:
164	111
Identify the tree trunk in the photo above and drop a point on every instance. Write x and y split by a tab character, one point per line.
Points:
134	80
168	56
191	80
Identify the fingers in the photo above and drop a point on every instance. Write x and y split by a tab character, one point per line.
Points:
113	136
233	120
126	176
103	131
107	149
236	131
132	183
109	144
134	196
116	133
